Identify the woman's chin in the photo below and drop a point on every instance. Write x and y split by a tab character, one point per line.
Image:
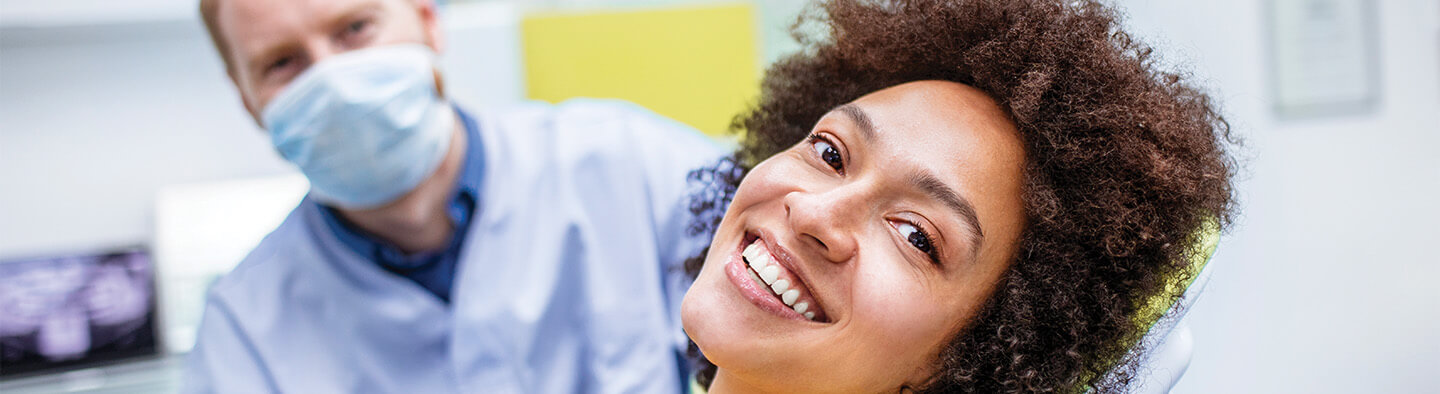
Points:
717	322
730	332
709	318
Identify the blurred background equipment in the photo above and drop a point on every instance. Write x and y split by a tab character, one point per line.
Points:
68	312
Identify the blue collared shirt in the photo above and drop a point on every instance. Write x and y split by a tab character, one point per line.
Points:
433	270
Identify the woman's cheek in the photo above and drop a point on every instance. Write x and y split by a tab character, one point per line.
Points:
903	314
757	186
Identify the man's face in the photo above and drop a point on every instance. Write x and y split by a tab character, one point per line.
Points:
273	41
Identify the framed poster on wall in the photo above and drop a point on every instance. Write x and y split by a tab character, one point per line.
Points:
1323	56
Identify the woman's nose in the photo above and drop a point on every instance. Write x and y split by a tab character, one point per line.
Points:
826	221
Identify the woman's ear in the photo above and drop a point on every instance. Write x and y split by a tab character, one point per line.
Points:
924	378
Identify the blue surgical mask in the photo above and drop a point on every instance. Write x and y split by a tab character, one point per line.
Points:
365	126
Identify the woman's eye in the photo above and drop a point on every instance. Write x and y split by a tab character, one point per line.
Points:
827	152
917	238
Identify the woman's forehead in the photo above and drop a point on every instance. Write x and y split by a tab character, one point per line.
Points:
946	123
938	104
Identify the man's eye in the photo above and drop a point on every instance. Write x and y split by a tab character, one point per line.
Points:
279	64
827	152
919	240
357	26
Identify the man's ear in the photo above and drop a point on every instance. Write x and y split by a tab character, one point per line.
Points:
434	37
430	23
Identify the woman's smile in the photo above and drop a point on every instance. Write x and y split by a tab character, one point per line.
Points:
768	280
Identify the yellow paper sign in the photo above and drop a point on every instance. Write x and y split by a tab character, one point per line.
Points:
697	65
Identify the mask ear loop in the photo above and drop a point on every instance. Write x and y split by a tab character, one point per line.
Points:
439	83
435	70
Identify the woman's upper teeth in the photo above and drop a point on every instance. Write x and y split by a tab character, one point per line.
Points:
780	286
760	260
769	272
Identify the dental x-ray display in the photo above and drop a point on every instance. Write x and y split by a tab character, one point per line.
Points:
60	313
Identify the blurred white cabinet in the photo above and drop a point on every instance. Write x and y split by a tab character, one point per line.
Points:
201	231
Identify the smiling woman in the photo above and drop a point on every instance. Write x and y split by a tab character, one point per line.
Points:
953	196
874	224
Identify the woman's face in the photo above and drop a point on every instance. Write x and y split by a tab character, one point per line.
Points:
883	233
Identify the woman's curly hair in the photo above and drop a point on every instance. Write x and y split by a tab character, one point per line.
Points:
1126	167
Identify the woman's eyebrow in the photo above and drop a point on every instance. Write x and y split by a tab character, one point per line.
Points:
861	119
932	186
924	180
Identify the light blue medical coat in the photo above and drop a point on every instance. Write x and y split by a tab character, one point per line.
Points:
569	280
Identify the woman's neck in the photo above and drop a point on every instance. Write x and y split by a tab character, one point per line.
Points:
725	383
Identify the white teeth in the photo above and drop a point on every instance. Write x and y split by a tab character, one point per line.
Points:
780	286
763	269
755	263
763	259
769	274
764	254
756	278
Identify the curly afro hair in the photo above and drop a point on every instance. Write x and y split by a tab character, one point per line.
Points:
1127	166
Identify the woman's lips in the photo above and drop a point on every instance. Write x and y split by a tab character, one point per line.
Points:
769	285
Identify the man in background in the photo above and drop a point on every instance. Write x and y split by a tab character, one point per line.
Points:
533	248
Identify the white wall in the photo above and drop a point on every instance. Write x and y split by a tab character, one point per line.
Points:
96	118
1326	284
97	114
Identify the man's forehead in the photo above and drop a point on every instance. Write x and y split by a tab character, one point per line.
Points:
249	24
244	22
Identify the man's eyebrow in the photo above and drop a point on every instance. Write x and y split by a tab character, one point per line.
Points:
931	185
273	50
861	119
343	18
